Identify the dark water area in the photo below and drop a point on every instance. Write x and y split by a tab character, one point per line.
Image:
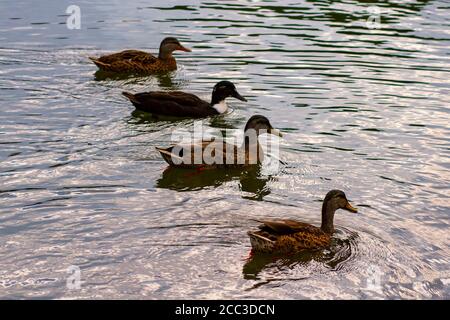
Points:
362	109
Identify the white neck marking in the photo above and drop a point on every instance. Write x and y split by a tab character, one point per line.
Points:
221	107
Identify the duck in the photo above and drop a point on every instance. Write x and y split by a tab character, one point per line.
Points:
182	104
136	61
290	236
216	153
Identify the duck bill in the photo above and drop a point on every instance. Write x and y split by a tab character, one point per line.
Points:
238	96
181	48
275	132
350	208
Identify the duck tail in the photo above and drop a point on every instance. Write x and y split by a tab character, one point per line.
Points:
131	97
98	63
167	155
260	243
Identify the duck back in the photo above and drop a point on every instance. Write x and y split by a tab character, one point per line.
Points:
174	103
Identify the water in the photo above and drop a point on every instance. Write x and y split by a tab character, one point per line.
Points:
363	110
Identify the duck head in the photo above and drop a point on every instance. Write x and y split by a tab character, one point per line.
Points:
334	200
221	91
260	125
169	45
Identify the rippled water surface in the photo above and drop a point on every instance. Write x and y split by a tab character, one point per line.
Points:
363	110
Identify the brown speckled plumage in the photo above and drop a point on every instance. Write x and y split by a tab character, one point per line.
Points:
287	236
283	236
136	61
236	155
230	155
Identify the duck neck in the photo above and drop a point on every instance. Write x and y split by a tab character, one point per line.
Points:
218	103
252	148
164	54
221	106
250	141
327	218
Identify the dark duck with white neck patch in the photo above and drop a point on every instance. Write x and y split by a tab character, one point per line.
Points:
283	236
136	61
182	104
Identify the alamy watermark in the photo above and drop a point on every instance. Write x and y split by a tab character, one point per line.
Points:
373	280
375	12
74	19
73	281
374	20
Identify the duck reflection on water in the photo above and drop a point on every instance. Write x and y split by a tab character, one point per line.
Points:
165	81
251	182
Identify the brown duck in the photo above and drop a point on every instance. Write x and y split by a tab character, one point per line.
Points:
217	153
283	236
135	61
